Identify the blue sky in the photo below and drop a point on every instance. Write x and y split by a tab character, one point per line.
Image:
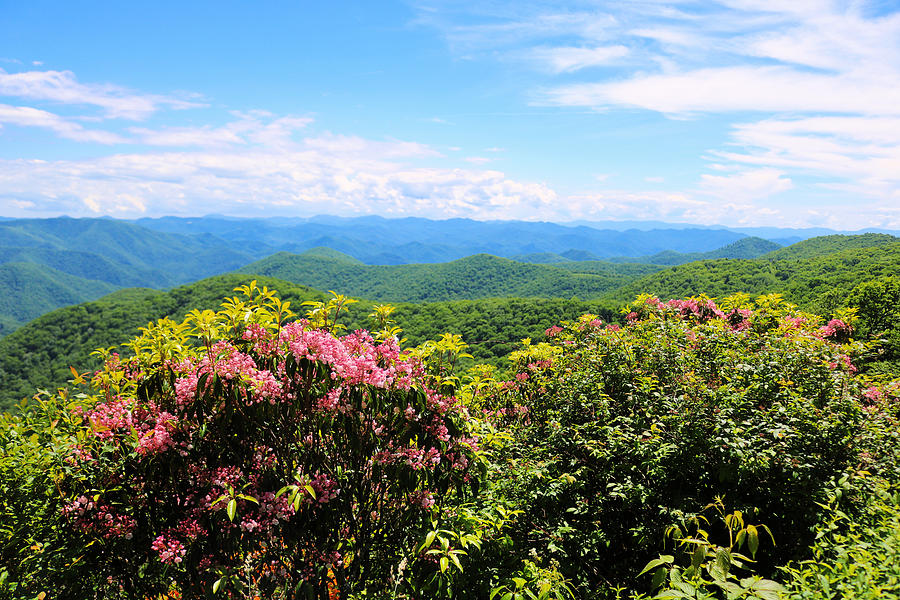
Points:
737	112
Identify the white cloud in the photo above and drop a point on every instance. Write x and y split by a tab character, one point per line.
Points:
25	116
675	206
746	186
820	77
568	59
734	89
862	153
62	87
478	160
330	174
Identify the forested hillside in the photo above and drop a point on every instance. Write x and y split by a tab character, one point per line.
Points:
74	260
480	276
49	263
160	259
829	244
28	290
818	284
749	247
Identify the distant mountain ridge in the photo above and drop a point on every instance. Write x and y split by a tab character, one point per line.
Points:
74	260
376	240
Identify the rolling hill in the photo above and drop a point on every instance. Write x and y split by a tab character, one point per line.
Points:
818	284
28	290
749	247
159	258
479	276
49	263
829	244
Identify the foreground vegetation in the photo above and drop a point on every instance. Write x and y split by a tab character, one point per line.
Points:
739	449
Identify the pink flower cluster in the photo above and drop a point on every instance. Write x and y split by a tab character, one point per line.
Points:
117	416
159	438
170	549
836	330
739	319
109	418
872	394
229	364
424	499
843	361
354	359
99	519
702	311
412	456
359	396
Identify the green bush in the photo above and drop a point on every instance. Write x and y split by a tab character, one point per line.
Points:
618	433
853	557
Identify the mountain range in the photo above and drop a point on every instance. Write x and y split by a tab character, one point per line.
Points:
49	263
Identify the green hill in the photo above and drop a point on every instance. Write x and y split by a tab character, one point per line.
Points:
817	284
169	258
829	244
87	265
28	290
601	267
330	253
479	276
749	247
38	355
540	258
49	263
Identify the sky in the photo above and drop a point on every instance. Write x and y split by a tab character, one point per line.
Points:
731	112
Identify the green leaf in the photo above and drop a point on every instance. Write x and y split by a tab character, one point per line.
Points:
217	584
659	578
456	562
445	562
698	557
752	540
428	540
664	559
231	509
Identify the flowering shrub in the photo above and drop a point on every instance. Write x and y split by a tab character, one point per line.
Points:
238	452
621	432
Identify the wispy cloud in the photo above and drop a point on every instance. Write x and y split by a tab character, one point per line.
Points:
568	59
746	185
769	89
811	85
63	87
25	116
